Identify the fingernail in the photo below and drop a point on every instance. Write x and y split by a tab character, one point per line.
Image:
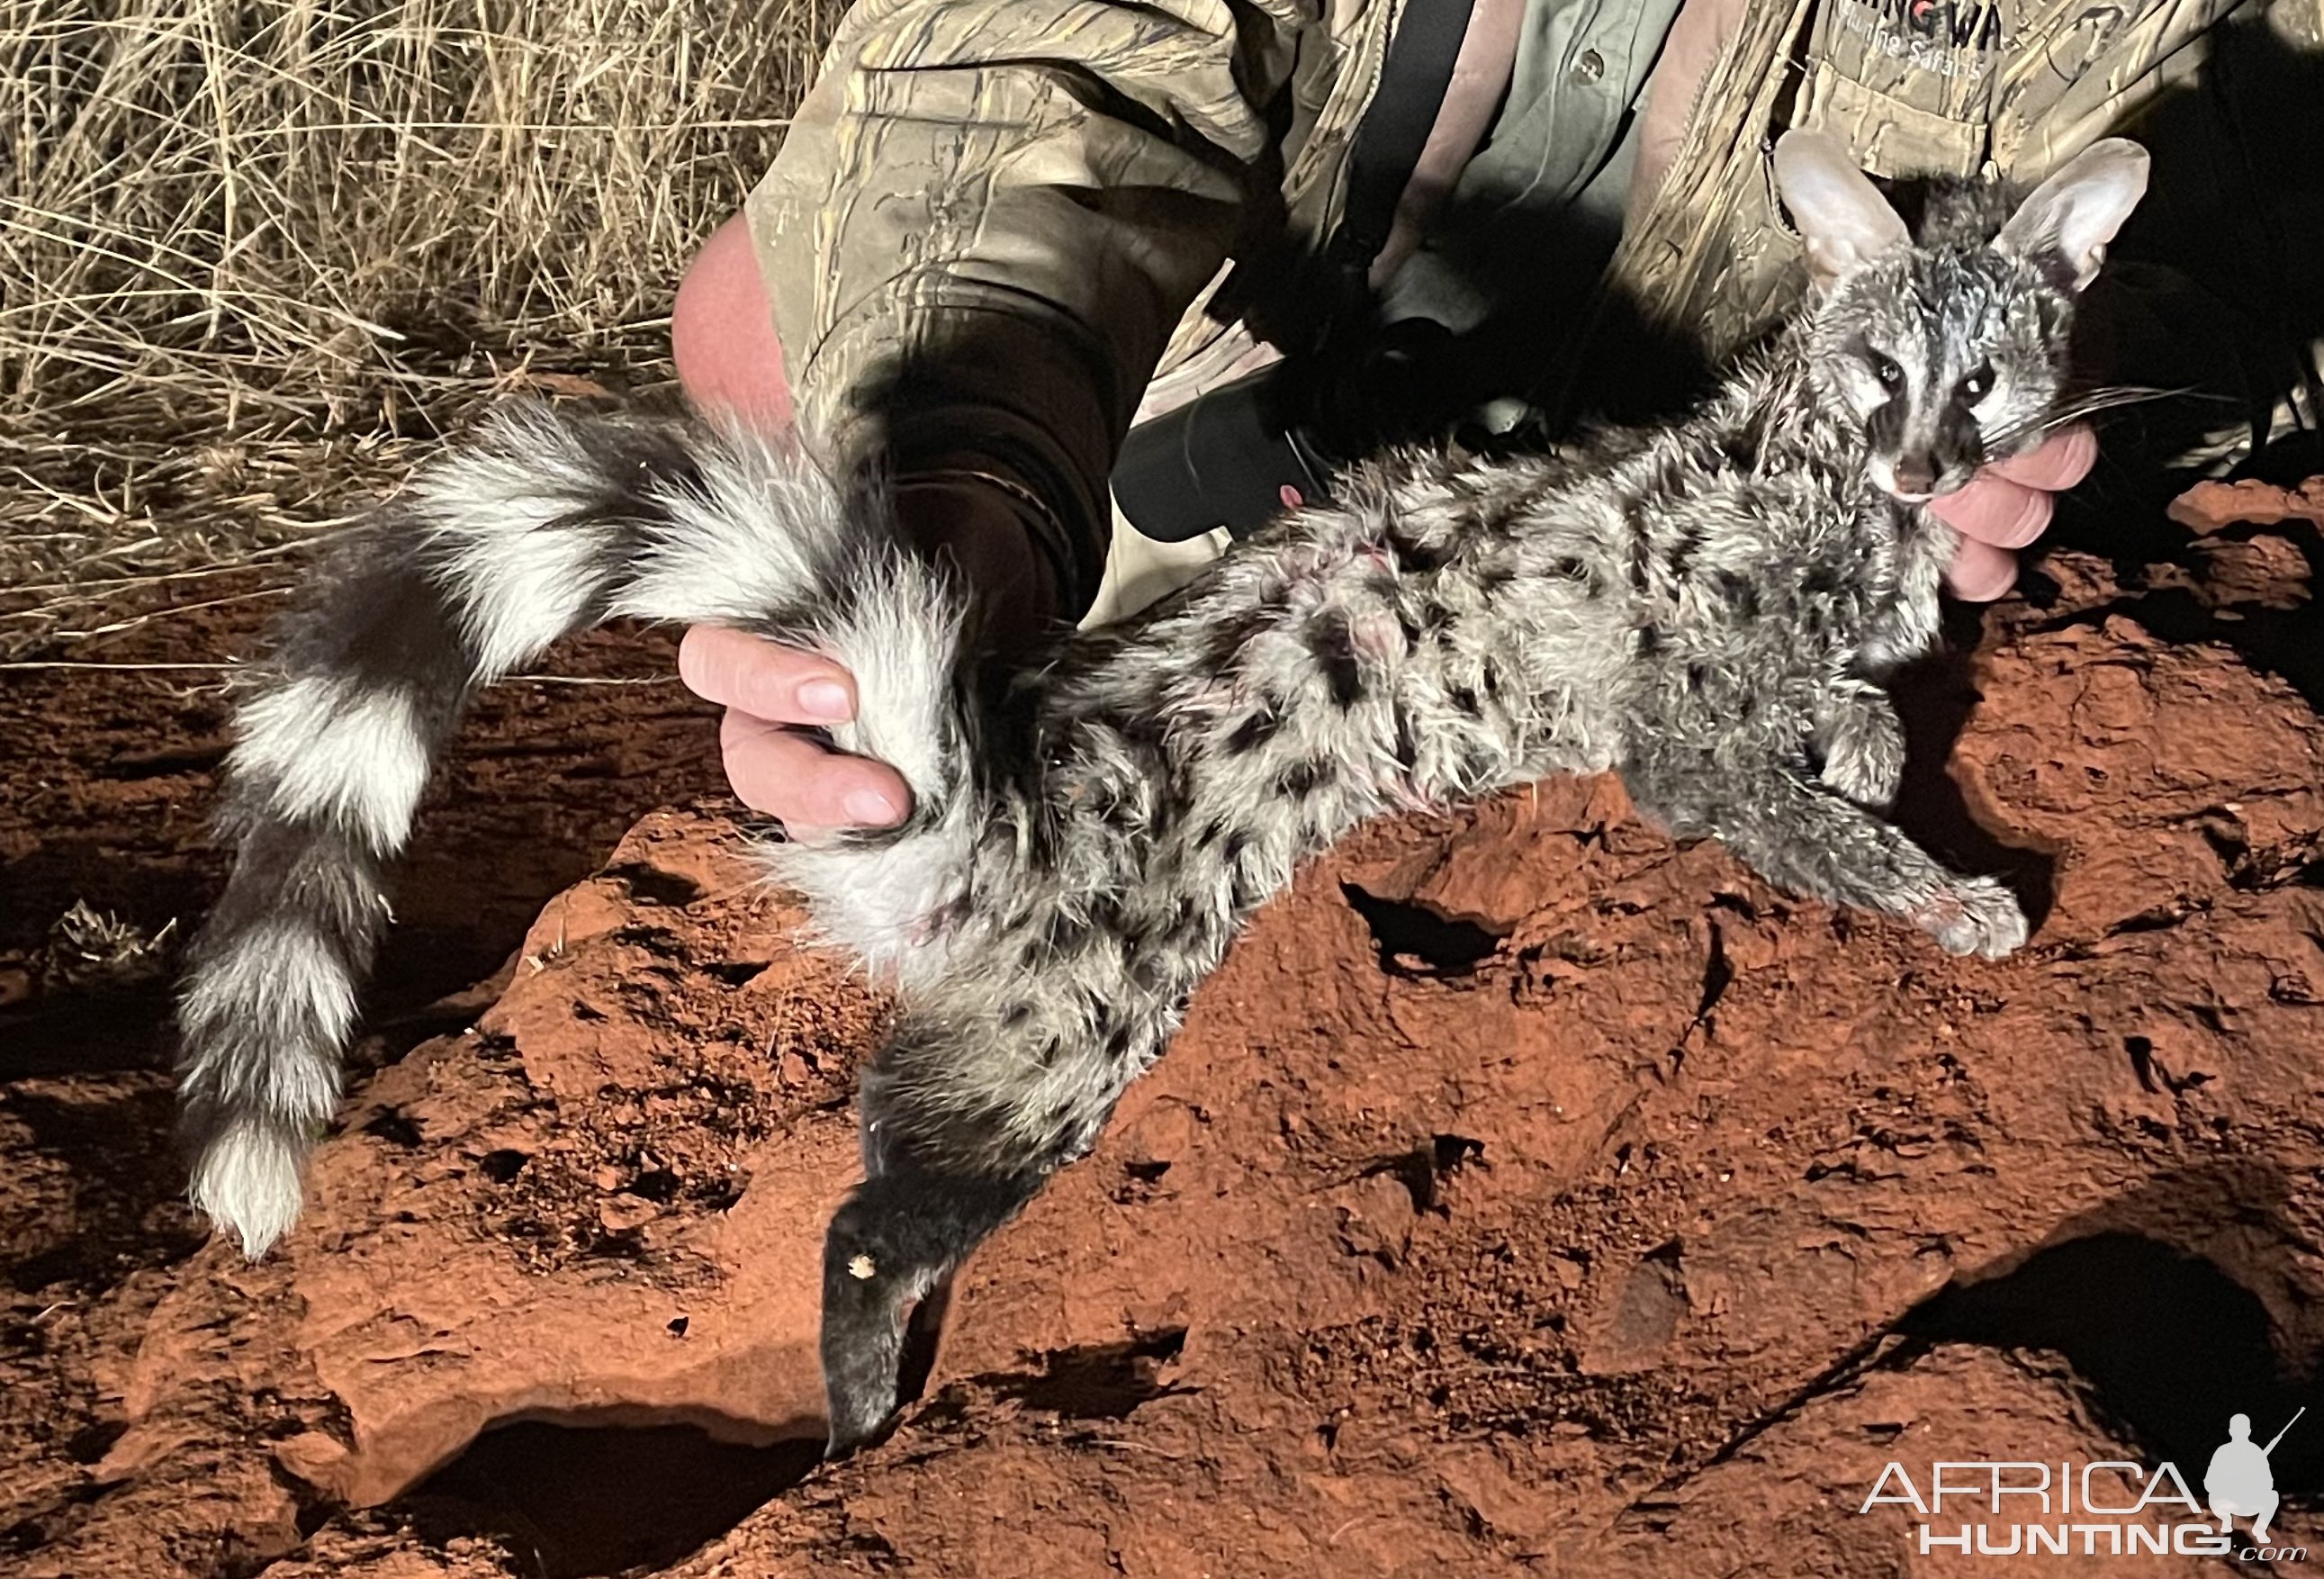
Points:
827	701
870	808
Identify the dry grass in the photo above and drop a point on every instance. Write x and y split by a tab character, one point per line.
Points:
254	253
89	947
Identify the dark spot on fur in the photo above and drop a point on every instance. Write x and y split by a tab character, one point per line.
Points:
1254	732
1245	891
1422	626
1334	651
1191	940
1146	965
1682	550
1223	642
1640	556
1740	596
1069	935
1463	700
1303	779
1418	557
1650	641
1141	727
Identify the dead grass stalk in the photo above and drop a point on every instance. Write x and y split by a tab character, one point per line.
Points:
254	252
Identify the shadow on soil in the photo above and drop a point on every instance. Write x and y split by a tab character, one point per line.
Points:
2169	1344
573	1497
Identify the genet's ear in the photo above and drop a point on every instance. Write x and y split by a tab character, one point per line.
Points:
2070	218
1840	214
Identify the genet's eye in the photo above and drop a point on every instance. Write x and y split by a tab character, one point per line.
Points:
1977	385
1885	369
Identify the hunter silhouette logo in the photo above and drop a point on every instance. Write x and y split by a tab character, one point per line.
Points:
1998	1507
2241	1482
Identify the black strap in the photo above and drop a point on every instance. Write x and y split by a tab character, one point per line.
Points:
1389	140
1236	455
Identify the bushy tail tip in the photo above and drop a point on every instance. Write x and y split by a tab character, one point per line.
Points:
247	1180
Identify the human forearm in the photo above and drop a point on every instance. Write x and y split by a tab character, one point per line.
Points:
987	219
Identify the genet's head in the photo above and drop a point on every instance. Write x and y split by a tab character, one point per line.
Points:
1950	351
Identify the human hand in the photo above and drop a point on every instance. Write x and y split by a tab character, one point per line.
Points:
777	698
2007	505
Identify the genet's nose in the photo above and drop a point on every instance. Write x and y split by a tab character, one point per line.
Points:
1916	474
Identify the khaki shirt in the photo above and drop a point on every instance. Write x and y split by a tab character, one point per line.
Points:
998	227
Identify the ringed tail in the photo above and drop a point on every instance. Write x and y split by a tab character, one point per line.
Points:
539	526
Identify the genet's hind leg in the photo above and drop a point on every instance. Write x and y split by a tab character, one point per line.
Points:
892	1246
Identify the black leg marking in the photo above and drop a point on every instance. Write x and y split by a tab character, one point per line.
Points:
891	1248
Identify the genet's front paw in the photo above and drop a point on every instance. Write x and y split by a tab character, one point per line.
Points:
1974	915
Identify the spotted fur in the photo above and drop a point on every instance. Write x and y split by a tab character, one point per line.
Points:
1708	606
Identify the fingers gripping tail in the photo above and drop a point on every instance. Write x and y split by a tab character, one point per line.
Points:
540	526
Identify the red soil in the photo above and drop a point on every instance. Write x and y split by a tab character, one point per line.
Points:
1527	1195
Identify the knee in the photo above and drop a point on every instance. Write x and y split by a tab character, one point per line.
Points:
722	332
